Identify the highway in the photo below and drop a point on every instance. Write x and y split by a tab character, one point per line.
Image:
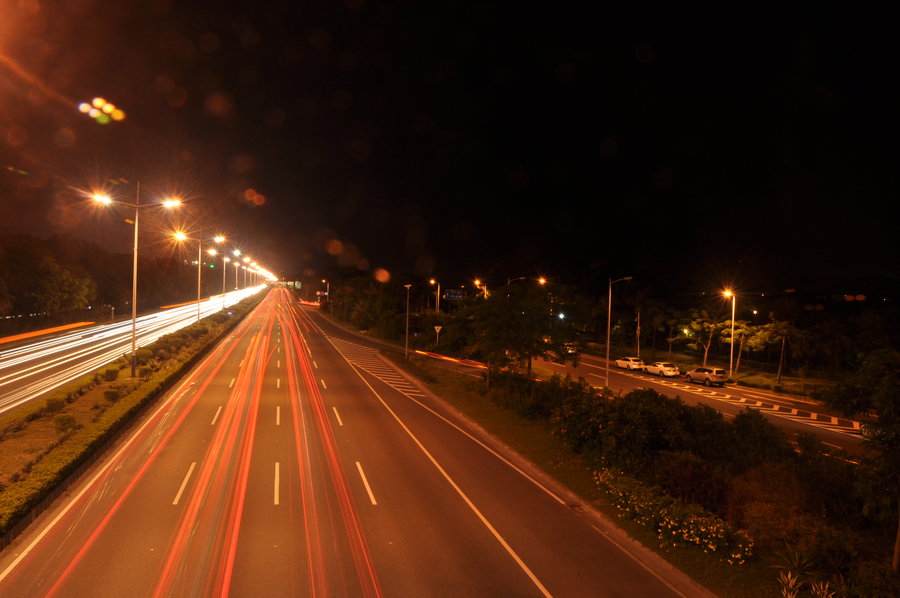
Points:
794	414
29	370
294	461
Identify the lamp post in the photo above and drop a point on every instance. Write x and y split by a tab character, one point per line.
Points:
225	261
437	296
406	346
168	203
729	293
609	321
180	236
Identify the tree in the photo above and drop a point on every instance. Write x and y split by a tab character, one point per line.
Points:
873	392
779	332
519	323
704	327
743	331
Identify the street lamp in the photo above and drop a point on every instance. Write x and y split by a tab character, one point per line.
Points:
168	204
406	346
481	285
729	293
180	236
225	261
237	266
437	296
609	321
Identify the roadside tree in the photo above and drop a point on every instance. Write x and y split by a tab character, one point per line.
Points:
873	392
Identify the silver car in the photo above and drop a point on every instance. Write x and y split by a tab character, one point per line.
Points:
707	376
630	363
663	368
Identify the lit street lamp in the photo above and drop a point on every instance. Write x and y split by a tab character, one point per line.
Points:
609	321
225	260
168	203
237	266
180	236
437	296
729	293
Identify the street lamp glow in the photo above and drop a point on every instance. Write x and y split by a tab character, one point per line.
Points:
107	200
728	293
437	296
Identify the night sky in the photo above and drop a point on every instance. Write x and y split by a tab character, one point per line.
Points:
463	139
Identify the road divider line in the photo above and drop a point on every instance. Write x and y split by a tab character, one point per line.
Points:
365	482
216	416
278	415
459	491
184	482
323	384
232	382
338	416
277	480
278	383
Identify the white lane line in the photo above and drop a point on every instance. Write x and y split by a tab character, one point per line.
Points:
277	479
216	416
323	384
459	491
366	483
279	363
338	416
184	482
278	383
232	382
315	365
241	364
278	415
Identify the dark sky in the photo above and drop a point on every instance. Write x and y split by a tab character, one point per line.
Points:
470	138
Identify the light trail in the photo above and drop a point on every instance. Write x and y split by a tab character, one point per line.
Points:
32	370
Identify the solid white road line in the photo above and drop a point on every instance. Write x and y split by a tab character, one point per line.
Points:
366	483
184	482
277	479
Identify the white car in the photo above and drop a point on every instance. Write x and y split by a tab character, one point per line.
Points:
630	363
662	368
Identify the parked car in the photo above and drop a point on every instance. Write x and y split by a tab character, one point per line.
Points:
630	363
707	376
662	368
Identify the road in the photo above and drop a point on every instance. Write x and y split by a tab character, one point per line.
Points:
794	414
29	370
294	461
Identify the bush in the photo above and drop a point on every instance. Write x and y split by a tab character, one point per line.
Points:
65	423
55	404
111	394
674	522
111	374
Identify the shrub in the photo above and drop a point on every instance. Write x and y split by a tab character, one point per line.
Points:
55	404
111	394
111	374
65	423
675	523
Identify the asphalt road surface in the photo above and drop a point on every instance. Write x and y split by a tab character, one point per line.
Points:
296	462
